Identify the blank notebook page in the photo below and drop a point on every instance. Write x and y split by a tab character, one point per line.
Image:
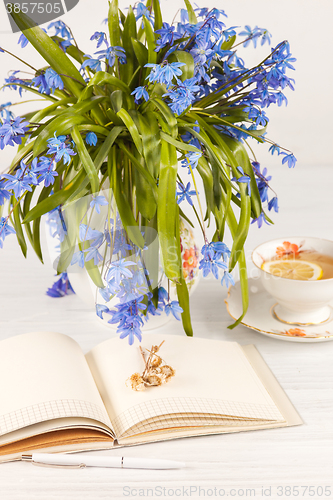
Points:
212	377
44	376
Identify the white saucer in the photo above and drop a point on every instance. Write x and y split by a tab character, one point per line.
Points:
260	317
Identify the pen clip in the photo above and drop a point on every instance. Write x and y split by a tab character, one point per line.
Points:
28	458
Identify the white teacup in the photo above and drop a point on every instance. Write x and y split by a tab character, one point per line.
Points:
299	302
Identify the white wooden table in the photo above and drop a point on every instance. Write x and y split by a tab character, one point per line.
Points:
234	465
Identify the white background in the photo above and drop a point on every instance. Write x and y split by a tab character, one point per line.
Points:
296	456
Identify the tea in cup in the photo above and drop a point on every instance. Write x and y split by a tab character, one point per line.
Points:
298	272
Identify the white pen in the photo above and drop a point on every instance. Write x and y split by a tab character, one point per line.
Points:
87	460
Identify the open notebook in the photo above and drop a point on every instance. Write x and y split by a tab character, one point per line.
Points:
53	398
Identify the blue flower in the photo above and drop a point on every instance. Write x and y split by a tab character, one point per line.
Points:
202	53
227	279
12	82
100	37
289	158
251	35
5	230
78	258
23	41
162	295
88	234
48	177
258	116
65	44
185	193
215	265
17	183
140	93
5	113
40	82
53	80
245	178
220	249
91	139
91	63
57	224
4	193
141	10
260	220
167	36
97	202
60	29
61	149
61	287
165	72
274	148
93	253
100	309
130	330
182	95
111	53
273	203
281	98
192	159
12	131
174	308
118	269
212	254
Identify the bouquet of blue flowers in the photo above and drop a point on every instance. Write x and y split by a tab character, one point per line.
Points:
156	107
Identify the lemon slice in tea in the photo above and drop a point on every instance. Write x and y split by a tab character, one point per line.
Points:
293	269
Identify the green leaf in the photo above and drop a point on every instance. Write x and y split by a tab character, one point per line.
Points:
215	152
63	123
166	212
47	203
102	78
71	50
144	195
183	146
128	33
232	223
207	178
191	14
182	290
242	227
168	116
158	23
114	27
124	208
50	51
183	57
242	158
151	141
143	171
116	99
18	229
226	45
132	128
43	197
40	115
141	52
152	55
87	162
106	146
